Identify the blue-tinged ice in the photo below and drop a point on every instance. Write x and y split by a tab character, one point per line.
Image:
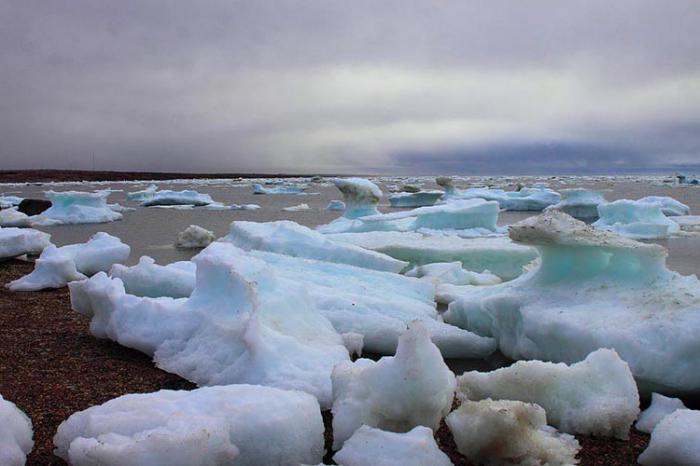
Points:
535	198
291	189
580	203
173	198
74	207
669	206
418	199
19	241
635	219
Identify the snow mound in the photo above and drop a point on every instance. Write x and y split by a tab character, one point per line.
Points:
290	238
53	269
674	441
509	432
593	289
661	406
669	206
361	196
635	219
375	447
147	278
243	323
15	434
596	396
194	236
18	241
75	207
499	255
419	199
396	393
580	203
292	189
173	198
244	425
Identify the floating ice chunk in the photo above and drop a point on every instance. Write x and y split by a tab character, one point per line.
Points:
335	205
75	207
452	273
509	432
669	206
53	269
396	393
593	289
185	197
596	396
244	425
290	238
15	434
175	280
580	203
18	241
635	219
418	199
194	236
661	406
292	189
243	323
14	218
527	199
99	254
297	208
9	201
447	184
689	223
144	195
674	441
499	255
375	447
361	196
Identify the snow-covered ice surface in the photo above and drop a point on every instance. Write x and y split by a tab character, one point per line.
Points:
292	239
244	425
499	254
194	236
75	207
171	198
635	219
505	432
53	269
376	447
661	406
149	279
593	289
243	323
419	199
396	393
674	441
580	203
669	206
98	254
15	434
596	396
291	189
18	241
451	273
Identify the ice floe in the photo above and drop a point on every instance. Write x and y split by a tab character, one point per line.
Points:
336	204
593	289
509	432
291	189
674	441
149	279
396	393
669	206
635	219
361	196
9	201
580	203
143	195
14	218
75	207
15	434
19	241
297	208
661	406
194	236
527	199
245	425
376	447
417	199
172	198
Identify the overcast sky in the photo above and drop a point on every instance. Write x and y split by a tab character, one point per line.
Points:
424	87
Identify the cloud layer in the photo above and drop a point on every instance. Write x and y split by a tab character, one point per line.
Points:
364	86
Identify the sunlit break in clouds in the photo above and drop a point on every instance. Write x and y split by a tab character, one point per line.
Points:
418	87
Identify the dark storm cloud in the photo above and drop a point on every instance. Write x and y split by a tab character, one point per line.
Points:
349	86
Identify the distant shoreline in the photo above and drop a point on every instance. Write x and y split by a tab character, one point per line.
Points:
46	176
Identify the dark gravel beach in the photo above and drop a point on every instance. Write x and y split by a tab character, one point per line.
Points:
51	366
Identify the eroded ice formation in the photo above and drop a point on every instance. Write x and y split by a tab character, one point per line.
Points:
504	432
243	323
147	278
376	447
19	241
15	434
361	196
593	289
669	206
661	406
596	396
194	236
173	198
74	207
580	203
292	239
417	199
396	393
244	425
674	441
53	269
635	219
